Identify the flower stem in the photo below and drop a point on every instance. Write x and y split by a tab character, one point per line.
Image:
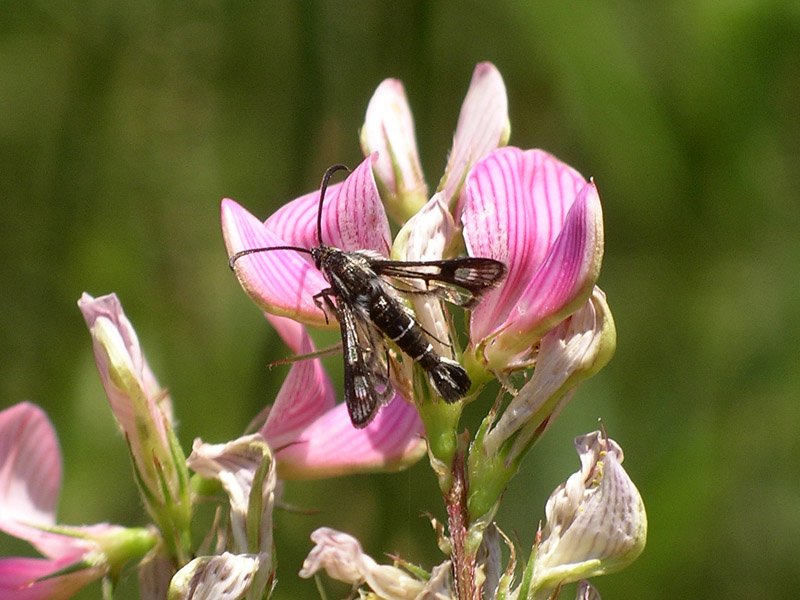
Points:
458	526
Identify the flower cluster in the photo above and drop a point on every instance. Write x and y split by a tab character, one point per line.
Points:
524	208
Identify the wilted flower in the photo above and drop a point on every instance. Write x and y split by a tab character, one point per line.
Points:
577	348
30	479
596	522
222	577
144	413
586	591
246	470
341	556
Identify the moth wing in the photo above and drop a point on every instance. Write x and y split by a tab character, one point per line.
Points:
366	378
459	281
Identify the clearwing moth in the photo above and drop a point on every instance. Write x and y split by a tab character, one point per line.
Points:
369	313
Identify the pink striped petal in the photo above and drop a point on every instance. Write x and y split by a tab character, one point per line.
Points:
483	126
389	130
353	217
306	394
541	218
292	333
30	466
284	282
570	270
295	223
331	446
18	579
281	282
30	479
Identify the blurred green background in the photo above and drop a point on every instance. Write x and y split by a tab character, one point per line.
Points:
123	124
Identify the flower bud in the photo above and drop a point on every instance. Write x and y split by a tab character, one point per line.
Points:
144	413
389	130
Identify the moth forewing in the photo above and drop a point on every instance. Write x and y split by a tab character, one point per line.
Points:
366	378
460	281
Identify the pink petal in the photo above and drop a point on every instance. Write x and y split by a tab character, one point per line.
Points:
306	394
30	466
570	270
331	446
539	216
18	574
296	222
482	127
284	282
292	333
353	217
30	479
389	130
281	282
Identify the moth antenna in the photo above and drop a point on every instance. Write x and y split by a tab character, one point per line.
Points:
232	260
325	179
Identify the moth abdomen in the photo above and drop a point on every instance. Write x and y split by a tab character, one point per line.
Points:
449	379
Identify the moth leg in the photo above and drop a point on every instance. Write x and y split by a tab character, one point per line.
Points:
430	335
326	302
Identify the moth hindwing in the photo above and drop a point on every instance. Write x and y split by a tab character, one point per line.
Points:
361	295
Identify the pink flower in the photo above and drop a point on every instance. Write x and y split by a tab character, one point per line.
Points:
313	437
353	217
544	220
30	479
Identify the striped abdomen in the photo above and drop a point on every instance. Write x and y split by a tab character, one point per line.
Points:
448	378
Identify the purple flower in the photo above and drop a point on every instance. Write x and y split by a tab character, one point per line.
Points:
30	479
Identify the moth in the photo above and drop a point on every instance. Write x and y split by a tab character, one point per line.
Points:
364	296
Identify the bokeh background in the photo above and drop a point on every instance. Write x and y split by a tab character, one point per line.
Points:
122	125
